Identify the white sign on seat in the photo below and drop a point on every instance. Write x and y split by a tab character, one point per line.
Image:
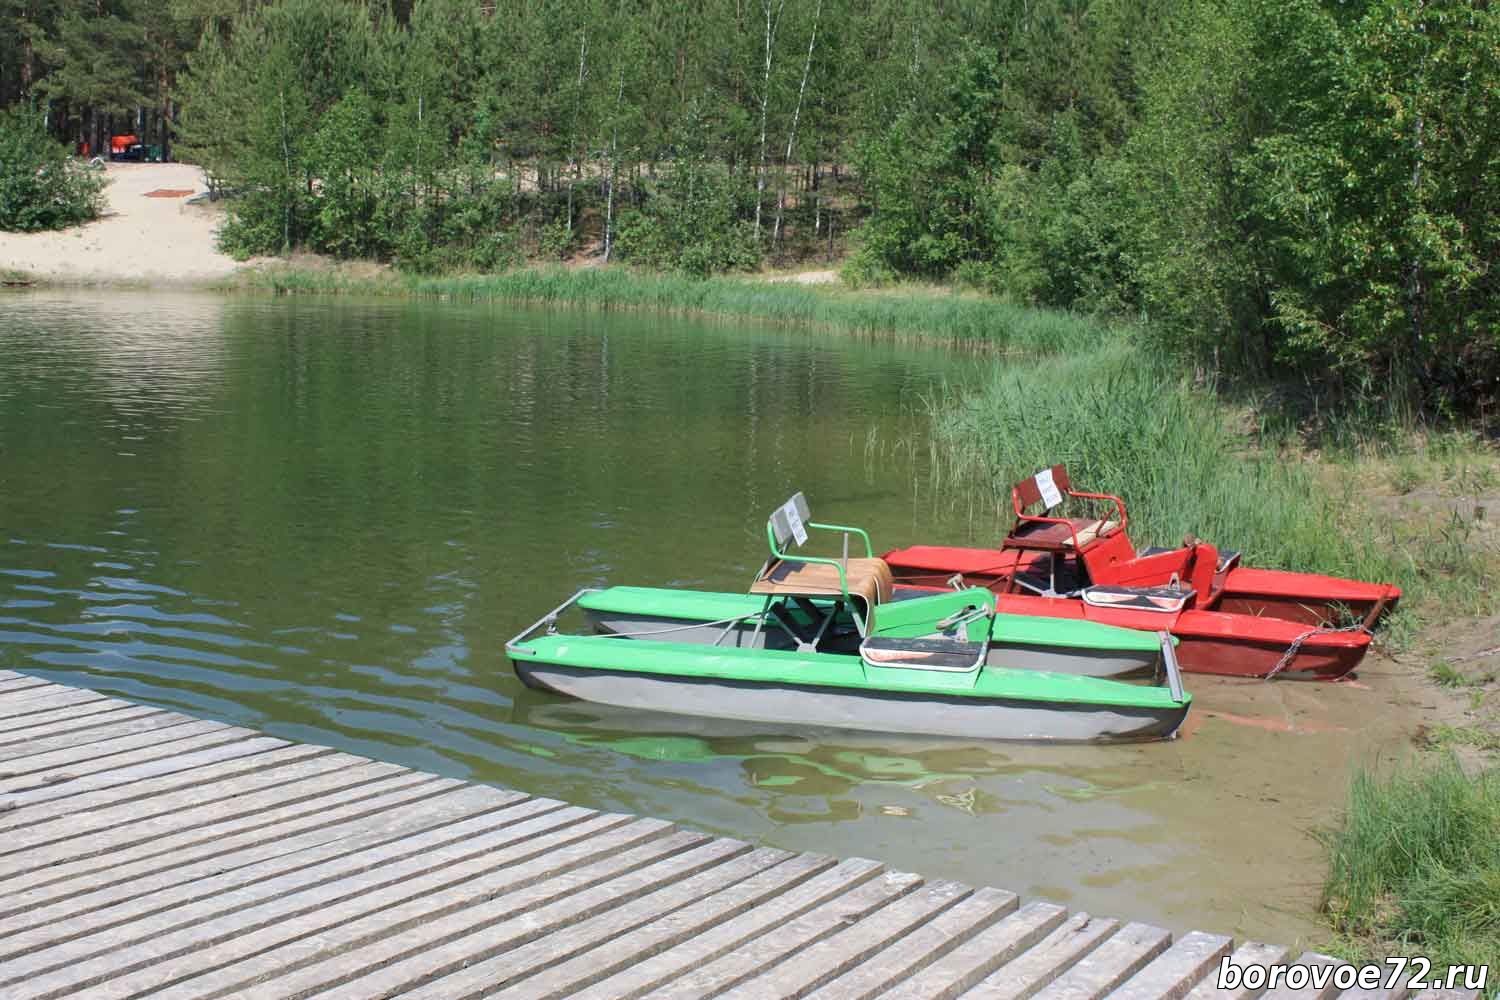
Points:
794	521
1051	495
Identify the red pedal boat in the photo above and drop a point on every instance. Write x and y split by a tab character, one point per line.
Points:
1230	619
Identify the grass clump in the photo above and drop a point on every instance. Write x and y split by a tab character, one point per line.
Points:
1444	674
1415	866
923	314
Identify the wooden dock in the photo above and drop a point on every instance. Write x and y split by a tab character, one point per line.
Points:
147	853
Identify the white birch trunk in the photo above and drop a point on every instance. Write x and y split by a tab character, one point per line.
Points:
791	136
765	102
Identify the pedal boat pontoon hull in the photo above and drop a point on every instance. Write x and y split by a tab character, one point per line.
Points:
1017	641
845	691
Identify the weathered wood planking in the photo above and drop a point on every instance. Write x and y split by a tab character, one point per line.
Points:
144	853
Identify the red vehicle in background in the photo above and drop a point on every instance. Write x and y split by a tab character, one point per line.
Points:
1228	618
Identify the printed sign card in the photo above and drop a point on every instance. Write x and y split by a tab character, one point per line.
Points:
794	521
1051	495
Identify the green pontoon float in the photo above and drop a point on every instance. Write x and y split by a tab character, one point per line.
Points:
824	642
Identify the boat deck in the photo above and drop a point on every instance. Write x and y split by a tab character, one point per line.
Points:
147	853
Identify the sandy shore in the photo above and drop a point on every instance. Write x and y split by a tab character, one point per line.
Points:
139	239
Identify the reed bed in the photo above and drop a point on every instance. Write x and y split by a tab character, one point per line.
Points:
918	313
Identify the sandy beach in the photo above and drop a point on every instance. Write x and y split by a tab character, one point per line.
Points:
140	238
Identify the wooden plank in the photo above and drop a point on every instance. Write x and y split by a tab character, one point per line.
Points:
835	955
508	973
921	948
19	683
102	869
451	814
463	967
522	880
1109	965
157	949
72	757
705	947
564	978
58	691
1173	973
71	722
338	816
11	675
158	722
32	825
1038	966
141	780
17	728
374	931
981	955
765	951
1245	956
24	703
121	826
1309	992
45	804
63	770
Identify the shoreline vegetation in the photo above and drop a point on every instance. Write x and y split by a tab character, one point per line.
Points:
928	313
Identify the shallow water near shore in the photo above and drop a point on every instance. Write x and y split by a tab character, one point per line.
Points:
322	518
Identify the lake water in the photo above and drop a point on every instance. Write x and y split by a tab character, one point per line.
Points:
322	518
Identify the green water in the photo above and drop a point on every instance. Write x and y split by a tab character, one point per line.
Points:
322	518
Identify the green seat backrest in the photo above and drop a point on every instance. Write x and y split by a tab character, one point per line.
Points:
920	616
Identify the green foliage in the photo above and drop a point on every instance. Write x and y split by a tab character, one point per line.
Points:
1415	866
692	221
925	175
40	186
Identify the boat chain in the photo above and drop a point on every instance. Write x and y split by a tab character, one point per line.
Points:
1291	651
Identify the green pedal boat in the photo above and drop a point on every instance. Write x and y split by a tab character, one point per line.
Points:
934	680
745	621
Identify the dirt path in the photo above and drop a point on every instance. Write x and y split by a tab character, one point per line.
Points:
141	238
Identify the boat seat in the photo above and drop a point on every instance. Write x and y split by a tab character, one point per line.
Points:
951	655
1167	600
870	580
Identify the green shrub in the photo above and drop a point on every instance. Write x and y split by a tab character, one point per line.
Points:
40	186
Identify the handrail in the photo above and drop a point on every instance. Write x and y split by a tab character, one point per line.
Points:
847	530
549	619
1169	662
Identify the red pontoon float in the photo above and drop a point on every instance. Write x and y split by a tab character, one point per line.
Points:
1230	619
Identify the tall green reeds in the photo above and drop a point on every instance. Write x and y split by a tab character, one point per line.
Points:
923	315
1415	866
